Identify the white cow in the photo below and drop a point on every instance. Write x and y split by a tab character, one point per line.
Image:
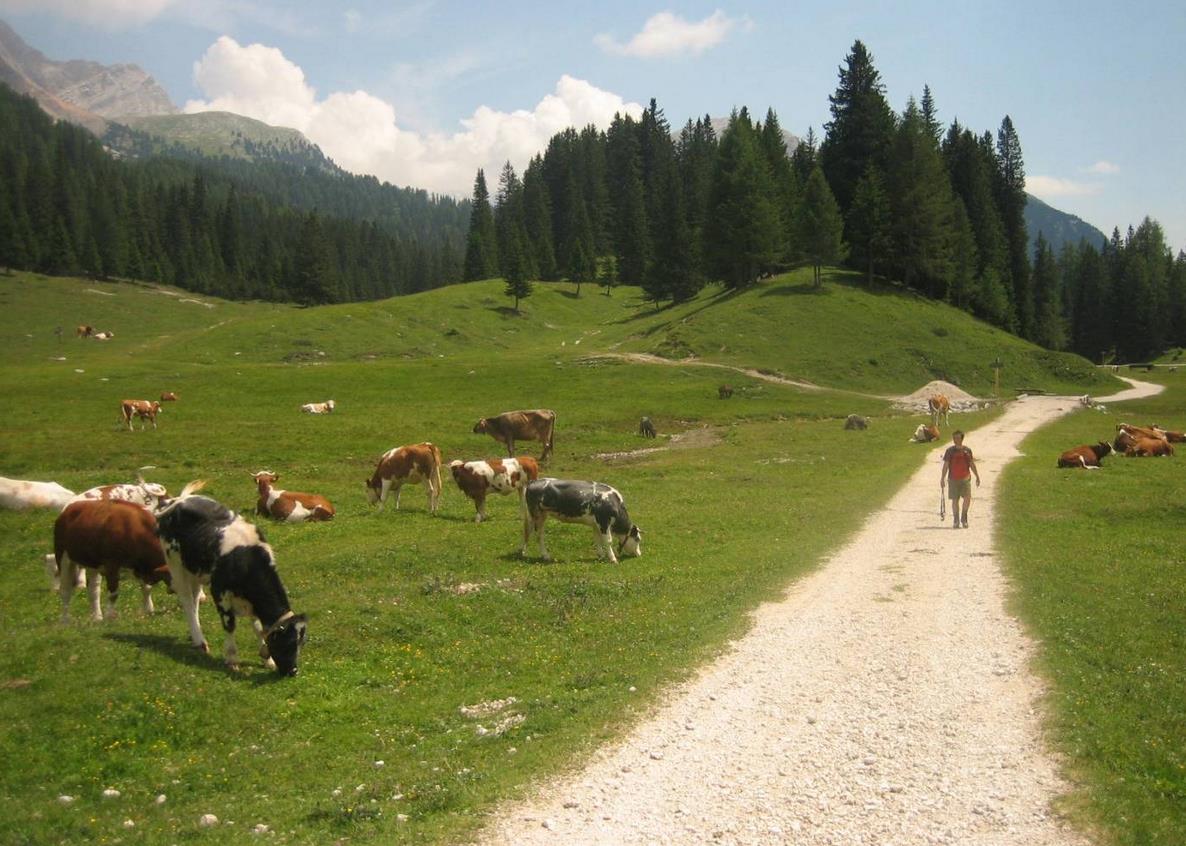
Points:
20	495
318	407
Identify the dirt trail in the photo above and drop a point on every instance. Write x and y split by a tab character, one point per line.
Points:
886	700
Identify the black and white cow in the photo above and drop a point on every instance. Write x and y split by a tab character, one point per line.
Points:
219	548
592	503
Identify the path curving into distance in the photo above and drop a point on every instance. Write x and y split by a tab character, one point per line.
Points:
887	699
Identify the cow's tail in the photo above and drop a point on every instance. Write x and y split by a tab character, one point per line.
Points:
192	488
436	467
551	431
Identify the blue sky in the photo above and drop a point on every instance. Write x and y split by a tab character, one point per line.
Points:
424	93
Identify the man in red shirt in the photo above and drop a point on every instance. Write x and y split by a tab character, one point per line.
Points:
958	468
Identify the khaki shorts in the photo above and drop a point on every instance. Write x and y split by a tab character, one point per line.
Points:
957	488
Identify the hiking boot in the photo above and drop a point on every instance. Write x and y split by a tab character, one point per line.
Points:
965	522
956	524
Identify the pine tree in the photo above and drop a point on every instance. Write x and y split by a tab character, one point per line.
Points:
1048	320
821	226
964	260
537	219
517	285
785	188
632	245
1011	199
862	126
481	249
868	223
805	157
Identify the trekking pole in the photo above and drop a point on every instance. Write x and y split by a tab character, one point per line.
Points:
942	501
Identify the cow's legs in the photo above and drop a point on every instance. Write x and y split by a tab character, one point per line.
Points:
230	649
264	653
511	446
480	504
67	575
188	587
111	576
146	595
92	588
539	523
399	489
605	544
434	494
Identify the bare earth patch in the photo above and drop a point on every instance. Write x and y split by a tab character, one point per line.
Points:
887	699
704	436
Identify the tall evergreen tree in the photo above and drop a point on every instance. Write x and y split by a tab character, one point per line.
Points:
537	219
785	188
862	126
518	286
963	259
869	222
632	242
1048	320
481	249
821	226
1011	199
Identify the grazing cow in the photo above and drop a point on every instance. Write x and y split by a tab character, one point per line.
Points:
107	535
168	396
84	330
855	421
939	406
478	478
591	503
20	495
1149	447
724	391
143	409
536	425
646	428
1087	456
406	465
103	336
318	407
217	547
289	506
924	434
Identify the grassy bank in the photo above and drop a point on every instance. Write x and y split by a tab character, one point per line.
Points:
1100	576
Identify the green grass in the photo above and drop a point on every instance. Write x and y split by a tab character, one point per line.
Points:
396	647
1098	567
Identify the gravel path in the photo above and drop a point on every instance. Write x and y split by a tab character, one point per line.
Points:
887	699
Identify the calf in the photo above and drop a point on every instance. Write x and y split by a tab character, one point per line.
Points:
646	428
212	545
143	409
536	425
478	478
924	434
20	495
1088	456
406	465
107	535
289	506
591	503
725	391
318	407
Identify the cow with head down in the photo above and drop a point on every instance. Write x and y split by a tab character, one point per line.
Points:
573	501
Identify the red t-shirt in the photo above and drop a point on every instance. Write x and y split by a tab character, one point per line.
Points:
959	462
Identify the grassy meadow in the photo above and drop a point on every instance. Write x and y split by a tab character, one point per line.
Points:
1097	562
413	617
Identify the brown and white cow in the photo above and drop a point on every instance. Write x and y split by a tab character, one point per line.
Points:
289	506
103	336
168	396
145	410
924	434
84	330
535	425
501	476
318	407
1172	437
1149	447
939	407
1087	456
402	465
107	535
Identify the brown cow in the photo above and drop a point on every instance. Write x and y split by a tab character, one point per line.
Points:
924	434
168	396
939	406
406	464
1149	447
1172	437
84	330
106	535
725	391
143	409
535	425
1088	456
477	478
289	506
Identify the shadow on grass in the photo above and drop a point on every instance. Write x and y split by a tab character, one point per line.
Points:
180	650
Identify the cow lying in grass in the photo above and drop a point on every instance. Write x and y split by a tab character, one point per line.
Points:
591	503
924	434
289	506
1087	457
210	544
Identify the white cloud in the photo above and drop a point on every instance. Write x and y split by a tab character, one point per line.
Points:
1104	167
667	34
1047	187
360	131
109	14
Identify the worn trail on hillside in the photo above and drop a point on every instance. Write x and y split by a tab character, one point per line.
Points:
887	699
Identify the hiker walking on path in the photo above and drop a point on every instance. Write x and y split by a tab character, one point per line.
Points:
958	467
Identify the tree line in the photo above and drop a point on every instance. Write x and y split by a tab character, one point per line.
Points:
897	196
274	231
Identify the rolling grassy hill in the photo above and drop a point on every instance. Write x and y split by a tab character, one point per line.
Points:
412	616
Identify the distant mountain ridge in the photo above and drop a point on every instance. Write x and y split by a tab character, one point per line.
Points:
83	92
1058	227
